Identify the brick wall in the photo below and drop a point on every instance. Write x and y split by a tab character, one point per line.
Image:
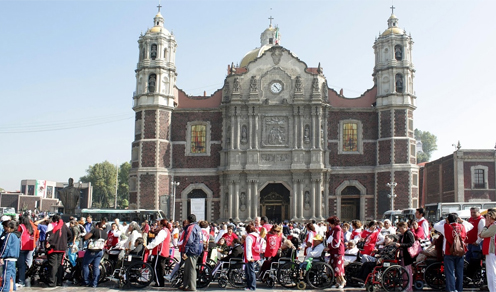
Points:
368	119
150	124
384	152
368	158
468	175
147	191
402	189
366	179
400	123
133	197
182	161
163	185
385	124
164	124
164	155
383	201
148	154
180	121
29	203
400	151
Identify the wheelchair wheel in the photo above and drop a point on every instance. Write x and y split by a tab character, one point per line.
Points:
320	276
351	273
178	278
237	277
169	265
395	278
434	276
203	276
222	281
418	285
288	274
301	285
270	282
369	287
139	275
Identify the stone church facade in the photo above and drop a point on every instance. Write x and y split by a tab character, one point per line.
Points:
275	140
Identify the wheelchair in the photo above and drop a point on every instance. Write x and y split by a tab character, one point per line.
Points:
221	271
389	275
270	275
317	275
134	272
435	278
203	276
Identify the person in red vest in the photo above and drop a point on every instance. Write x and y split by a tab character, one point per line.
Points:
489	249
274	241
417	230
473	240
113	236
230	235
357	231
265	223
453	265
422	222
251	255
370	236
160	247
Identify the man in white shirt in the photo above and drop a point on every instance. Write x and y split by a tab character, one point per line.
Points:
419	215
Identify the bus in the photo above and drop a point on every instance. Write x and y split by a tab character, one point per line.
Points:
393	215
436	211
408	214
138	215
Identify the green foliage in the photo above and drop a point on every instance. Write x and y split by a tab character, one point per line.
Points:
1	190
125	203
102	177
429	145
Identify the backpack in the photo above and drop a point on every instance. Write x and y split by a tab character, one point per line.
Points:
458	247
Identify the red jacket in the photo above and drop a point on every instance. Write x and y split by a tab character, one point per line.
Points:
337	244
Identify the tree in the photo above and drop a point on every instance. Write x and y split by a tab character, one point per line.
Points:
123	190
1	190
429	145
102	177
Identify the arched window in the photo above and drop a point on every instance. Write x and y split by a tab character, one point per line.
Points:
399	83
398	52
152	80
153	52
198	138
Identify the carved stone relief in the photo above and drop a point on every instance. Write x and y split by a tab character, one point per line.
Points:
236	85
244	134
253	84
298	87
306	135
275	131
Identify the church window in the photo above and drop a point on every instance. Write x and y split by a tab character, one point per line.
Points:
350	134
198	139
152	80
271	41
399	83
479	176
153	52
350	137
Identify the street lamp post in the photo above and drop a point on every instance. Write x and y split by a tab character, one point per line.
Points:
392	195
174	185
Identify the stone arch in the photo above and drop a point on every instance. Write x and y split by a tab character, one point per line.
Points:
363	192
184	199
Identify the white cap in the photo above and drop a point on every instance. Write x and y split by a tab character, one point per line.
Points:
6	218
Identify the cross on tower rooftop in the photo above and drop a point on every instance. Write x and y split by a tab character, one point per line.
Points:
159	6
392	9
271	18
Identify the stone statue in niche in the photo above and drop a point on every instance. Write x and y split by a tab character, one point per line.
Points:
244	134
242	201
151	82
306	135
284	101
398	53
307	200
315	85
253	84
153	52
298	84
236	85
399	83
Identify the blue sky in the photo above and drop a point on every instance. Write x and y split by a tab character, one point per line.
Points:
67	75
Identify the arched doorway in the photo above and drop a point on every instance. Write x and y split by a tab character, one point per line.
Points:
274	202
197	194
350	203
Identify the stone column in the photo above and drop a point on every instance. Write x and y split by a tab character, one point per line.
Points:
313	203
295	131
238	131
249	199
301	196
236	201
302	130
251	132
255	134
313	130
256	200
230	201
318	121
318	205
294	201
233	145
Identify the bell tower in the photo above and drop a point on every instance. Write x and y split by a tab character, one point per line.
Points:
395	103
153	105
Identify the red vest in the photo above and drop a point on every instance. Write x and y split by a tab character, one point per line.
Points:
27	240
111	239
486	244
421	224
355	232
255	255
309	233
163	248
473	235
448	234
273	245
370	242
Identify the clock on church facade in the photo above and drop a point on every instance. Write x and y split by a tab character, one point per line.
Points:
275	140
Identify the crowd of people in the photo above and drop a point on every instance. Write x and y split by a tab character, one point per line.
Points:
332	241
